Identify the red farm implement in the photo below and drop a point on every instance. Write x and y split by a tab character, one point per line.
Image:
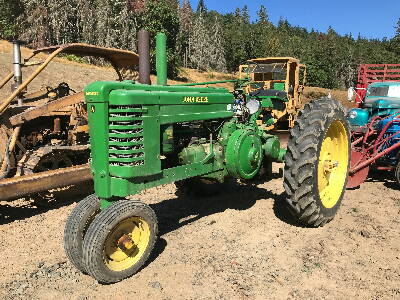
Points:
370	73
377	144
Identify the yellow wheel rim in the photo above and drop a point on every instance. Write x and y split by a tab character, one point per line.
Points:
333	164
126	243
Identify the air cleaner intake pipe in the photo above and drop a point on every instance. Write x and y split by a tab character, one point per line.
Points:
161	58
17	62
144	56
17	68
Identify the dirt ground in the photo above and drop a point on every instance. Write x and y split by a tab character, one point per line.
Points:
241	244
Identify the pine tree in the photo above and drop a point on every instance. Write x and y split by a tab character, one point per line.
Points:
63	21
394	44
86	11
240	42
262	15
185	27
10	20
200	50
128	27
217	57
161	16
397	36
104	14
203	40
245	14
263	34
36	26
201	7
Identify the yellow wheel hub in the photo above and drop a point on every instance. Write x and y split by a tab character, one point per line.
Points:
126	243
333	164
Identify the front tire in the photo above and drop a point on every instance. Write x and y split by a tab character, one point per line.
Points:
119	241
76	227
317	162
397	173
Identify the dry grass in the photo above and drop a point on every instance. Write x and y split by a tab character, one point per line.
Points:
79	74
311	93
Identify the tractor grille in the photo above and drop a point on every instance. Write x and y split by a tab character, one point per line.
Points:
126	142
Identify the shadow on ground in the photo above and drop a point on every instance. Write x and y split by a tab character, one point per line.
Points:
169	212
387	177
28	207
192	208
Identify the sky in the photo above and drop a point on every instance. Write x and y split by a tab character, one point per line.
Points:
372	19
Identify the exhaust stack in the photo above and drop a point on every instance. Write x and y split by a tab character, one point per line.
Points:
144	56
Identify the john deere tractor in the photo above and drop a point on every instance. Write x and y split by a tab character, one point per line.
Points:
144	135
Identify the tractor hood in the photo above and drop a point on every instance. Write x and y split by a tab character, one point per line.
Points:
374	106
382	102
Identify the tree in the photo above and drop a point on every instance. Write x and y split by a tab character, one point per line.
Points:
262	15
394	44
185	27
263	35
397	36
36	29
201	7
87	21
203	39
161	16
240	42
63	22
10	13
245	14
200	50
217	57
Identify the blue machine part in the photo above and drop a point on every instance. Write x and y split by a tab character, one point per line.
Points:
393	156
382	99
358	117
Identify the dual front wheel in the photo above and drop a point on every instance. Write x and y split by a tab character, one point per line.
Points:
113	243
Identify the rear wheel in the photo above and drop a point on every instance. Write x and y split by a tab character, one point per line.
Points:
317	162
76	226
119	241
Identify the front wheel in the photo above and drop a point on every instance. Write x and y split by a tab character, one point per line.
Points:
119	241
76	226
317	162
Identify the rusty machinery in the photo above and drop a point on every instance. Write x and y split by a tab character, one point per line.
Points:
44	133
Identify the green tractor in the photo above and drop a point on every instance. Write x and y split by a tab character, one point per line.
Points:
144	135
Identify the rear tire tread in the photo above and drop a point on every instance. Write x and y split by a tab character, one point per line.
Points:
302	154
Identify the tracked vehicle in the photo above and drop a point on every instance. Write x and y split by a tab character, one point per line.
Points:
44	133
144	136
